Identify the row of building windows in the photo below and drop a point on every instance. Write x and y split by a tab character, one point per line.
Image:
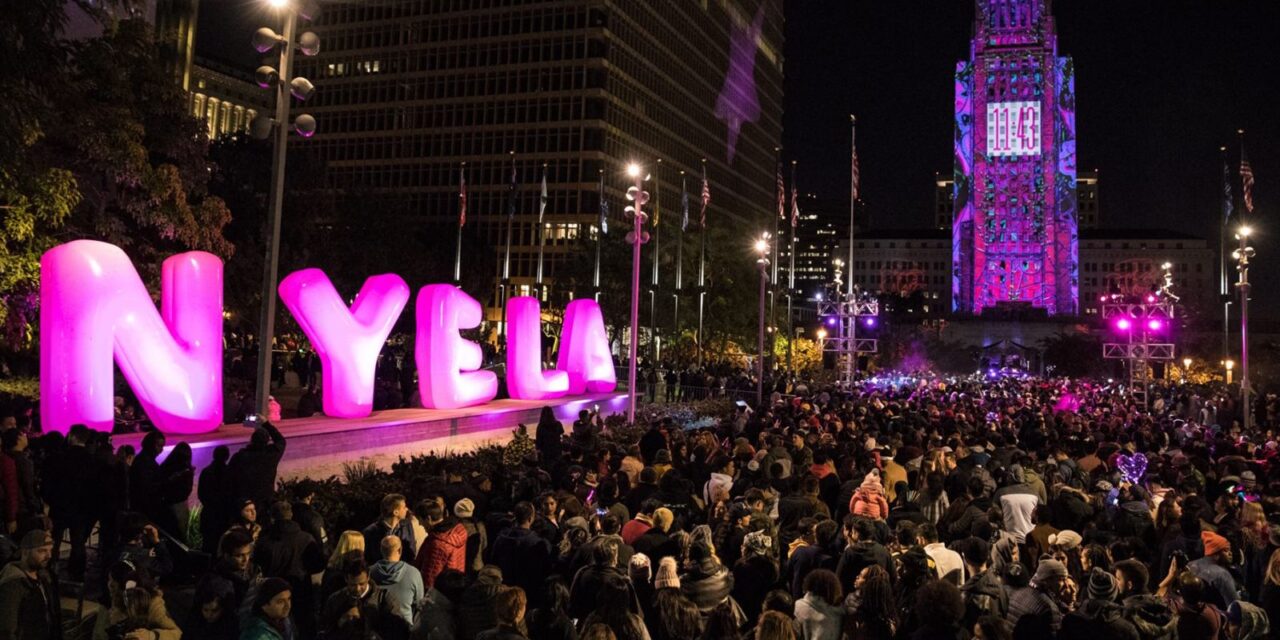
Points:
440	146
445	120
220	116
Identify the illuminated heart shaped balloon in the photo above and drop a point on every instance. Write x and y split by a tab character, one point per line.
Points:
1133	467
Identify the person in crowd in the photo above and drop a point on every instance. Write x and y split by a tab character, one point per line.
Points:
144	477
477	606
286	551
394	520
862	550
755	574
362	608
174	480
305	513
551	620
944	606
214	614
477	534
402	580
234	570
820	614
509	610
29	597
252	470
615	609
445	546
549	437
523	556
142	545
214	493
706	582
1036	610
136	611
269	611
67	492
1212	569
949	564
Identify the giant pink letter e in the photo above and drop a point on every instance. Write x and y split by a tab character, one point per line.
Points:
94	307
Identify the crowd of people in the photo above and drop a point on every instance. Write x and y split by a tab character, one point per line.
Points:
912	508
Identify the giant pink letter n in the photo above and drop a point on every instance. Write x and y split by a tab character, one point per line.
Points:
94	308
348	341
447	363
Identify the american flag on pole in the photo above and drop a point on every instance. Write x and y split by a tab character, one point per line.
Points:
542	199
854	176
706	197
684	203
462	197
1246	181
1227	198
782	195
795	201
604	207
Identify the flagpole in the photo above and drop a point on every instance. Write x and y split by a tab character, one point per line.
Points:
542	227
853	197
595	277
773	277
702	267
654	349
462	213
506	261
791	266
684	222
1223	278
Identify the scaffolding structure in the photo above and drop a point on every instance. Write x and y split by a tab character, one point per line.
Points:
1148	325
841	314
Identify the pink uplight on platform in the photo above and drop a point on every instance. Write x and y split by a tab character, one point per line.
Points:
347	340
447	363
584	349
1124	324
94	309
1155	324
525	378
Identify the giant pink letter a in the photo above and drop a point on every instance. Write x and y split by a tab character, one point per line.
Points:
93	307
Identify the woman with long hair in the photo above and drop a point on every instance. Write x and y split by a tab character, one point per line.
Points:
873	613
137	607
722	623
678	618
819	613
551	620
350	543
1269	598
613	609
774	626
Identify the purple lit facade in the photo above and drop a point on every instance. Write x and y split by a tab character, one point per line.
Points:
1014	238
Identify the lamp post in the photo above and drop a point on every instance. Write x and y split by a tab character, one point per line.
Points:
1186	368
762	250
637	236
1242	256
1229	364
284	85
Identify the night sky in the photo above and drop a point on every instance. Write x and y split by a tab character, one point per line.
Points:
1161	85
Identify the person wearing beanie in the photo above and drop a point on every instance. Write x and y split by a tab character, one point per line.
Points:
869	500
1098	616
1220	584
477	534
755	574
1036	609
667	577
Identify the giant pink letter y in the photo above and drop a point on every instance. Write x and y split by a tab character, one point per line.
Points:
447	376
348	341
525	378
94	307
584	349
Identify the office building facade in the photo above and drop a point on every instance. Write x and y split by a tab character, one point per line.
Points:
408	90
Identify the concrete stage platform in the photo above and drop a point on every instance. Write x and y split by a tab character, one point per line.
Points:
319	446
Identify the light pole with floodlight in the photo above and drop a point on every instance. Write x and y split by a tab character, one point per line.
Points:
284	85
1186	368
762	250
1242	256
637	236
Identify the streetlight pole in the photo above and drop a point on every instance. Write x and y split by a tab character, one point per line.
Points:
284	85
762	248
637	236
1242	256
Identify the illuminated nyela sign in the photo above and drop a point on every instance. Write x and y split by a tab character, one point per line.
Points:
95	310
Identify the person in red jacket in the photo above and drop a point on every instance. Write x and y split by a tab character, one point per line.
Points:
445	547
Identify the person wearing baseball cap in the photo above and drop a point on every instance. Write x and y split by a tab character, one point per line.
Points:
1220	586
29	601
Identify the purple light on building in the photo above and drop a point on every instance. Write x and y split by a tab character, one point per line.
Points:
1015	232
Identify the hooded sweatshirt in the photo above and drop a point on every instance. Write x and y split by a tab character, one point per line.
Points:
402	581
